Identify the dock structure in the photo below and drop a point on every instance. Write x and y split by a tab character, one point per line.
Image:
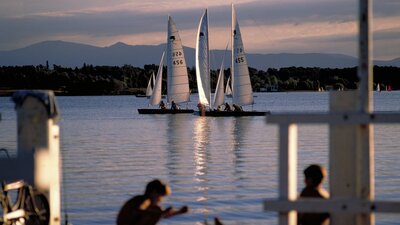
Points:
351	149
38	150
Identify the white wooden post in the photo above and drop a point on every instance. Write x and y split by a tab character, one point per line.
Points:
288	170
365	145
351	151
365	97
38	159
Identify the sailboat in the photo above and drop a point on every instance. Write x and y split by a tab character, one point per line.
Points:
241	86
149	89
203	65
177	77
378	87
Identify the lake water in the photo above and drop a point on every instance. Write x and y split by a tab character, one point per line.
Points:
221	167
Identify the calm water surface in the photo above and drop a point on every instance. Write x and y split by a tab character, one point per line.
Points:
221	167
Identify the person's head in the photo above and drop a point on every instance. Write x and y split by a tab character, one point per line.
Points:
156	189
314	175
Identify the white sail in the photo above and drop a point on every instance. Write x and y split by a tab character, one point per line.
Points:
242	92
203	62
177	76
149	90
219	96
228	91
156	96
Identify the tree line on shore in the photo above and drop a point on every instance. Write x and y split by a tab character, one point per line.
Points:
114	80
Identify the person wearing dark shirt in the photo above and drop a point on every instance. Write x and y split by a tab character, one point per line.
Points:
162	105
145	209
227	107
237	108
314	176
174	106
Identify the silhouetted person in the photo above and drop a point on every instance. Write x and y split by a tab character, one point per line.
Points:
227	107
162	105
174	106
314	176
145	209
237	108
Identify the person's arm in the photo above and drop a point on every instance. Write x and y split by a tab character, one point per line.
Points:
170	212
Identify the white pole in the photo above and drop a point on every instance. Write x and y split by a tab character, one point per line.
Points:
364	53
365	144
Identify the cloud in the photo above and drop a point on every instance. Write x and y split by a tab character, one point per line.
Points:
267	26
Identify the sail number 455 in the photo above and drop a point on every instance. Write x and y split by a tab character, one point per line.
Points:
239	60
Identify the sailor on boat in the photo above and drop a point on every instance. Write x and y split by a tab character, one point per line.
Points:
227	107
162	105
174	106
237	108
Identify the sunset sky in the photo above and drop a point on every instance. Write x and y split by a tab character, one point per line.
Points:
267	26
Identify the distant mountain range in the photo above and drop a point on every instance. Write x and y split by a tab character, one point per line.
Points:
70	54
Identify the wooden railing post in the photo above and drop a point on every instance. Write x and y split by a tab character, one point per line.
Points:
288	170
38	151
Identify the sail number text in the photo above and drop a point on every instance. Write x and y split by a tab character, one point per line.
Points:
176	54
177	62
239	60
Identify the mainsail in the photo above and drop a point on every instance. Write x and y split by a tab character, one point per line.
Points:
177	76
241	86
203	62
156	96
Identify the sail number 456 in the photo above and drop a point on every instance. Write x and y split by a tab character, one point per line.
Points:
177	62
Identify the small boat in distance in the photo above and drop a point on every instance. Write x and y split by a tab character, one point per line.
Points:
177	77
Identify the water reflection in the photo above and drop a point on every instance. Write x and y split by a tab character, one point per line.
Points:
175	146
201	159
238	132
201	142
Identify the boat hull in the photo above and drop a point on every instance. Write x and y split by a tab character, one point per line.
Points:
164	111
231	113
141	96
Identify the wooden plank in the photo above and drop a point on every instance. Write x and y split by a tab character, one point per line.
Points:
339	118
342	154
332	206
365	97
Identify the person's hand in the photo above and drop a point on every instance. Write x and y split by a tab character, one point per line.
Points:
184	209
170	212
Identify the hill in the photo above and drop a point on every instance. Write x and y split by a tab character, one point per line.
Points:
70	54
